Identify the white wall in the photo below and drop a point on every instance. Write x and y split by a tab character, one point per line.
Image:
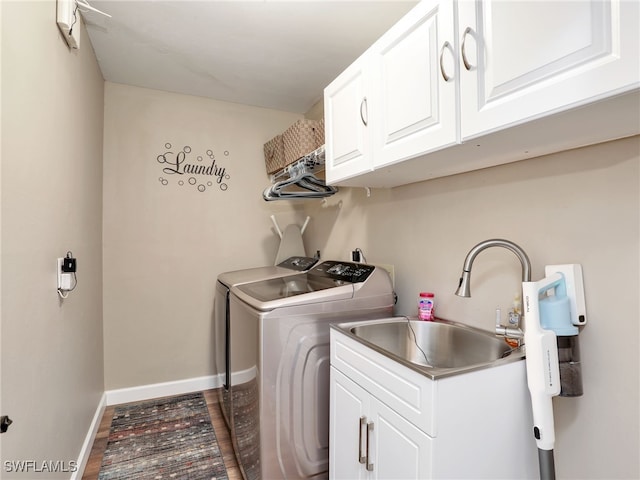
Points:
579	206
164	245
52	122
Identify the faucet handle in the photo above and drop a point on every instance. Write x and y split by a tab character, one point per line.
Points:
512	332
514	318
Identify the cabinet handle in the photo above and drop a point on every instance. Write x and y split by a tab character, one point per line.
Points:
467	65
361	426
363	104
369	434
444	74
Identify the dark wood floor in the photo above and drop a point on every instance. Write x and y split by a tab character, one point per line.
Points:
100	444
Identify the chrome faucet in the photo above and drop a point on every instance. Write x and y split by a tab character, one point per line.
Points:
464	289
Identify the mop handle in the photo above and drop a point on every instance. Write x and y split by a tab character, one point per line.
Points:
547	464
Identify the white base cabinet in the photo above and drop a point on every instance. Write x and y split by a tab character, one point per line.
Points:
388	421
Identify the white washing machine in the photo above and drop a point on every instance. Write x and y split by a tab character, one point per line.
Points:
291	266
279	339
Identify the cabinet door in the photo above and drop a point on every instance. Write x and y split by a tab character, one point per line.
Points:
347	113
399	450
414	94
525	59
395	447
348	403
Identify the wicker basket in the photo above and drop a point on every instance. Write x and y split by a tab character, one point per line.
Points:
302	138
274	154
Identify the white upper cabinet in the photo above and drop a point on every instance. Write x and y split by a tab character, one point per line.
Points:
525	59
346	110
395	99
415	91
458	86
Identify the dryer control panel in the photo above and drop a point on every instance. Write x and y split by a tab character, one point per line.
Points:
343	271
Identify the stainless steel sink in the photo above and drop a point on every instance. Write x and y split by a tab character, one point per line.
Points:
435	348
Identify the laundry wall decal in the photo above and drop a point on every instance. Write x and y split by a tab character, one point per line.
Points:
205	172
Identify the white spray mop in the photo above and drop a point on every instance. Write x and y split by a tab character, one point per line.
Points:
554	307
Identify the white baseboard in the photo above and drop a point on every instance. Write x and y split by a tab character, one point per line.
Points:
178	387
157	390
85	451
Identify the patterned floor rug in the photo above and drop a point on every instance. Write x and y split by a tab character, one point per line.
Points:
166	438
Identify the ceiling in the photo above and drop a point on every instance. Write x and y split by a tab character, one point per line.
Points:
273	54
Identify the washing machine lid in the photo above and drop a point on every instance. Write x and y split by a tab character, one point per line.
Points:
328	281
290	266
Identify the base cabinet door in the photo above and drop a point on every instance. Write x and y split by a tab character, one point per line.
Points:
349	404
368	440
399	450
